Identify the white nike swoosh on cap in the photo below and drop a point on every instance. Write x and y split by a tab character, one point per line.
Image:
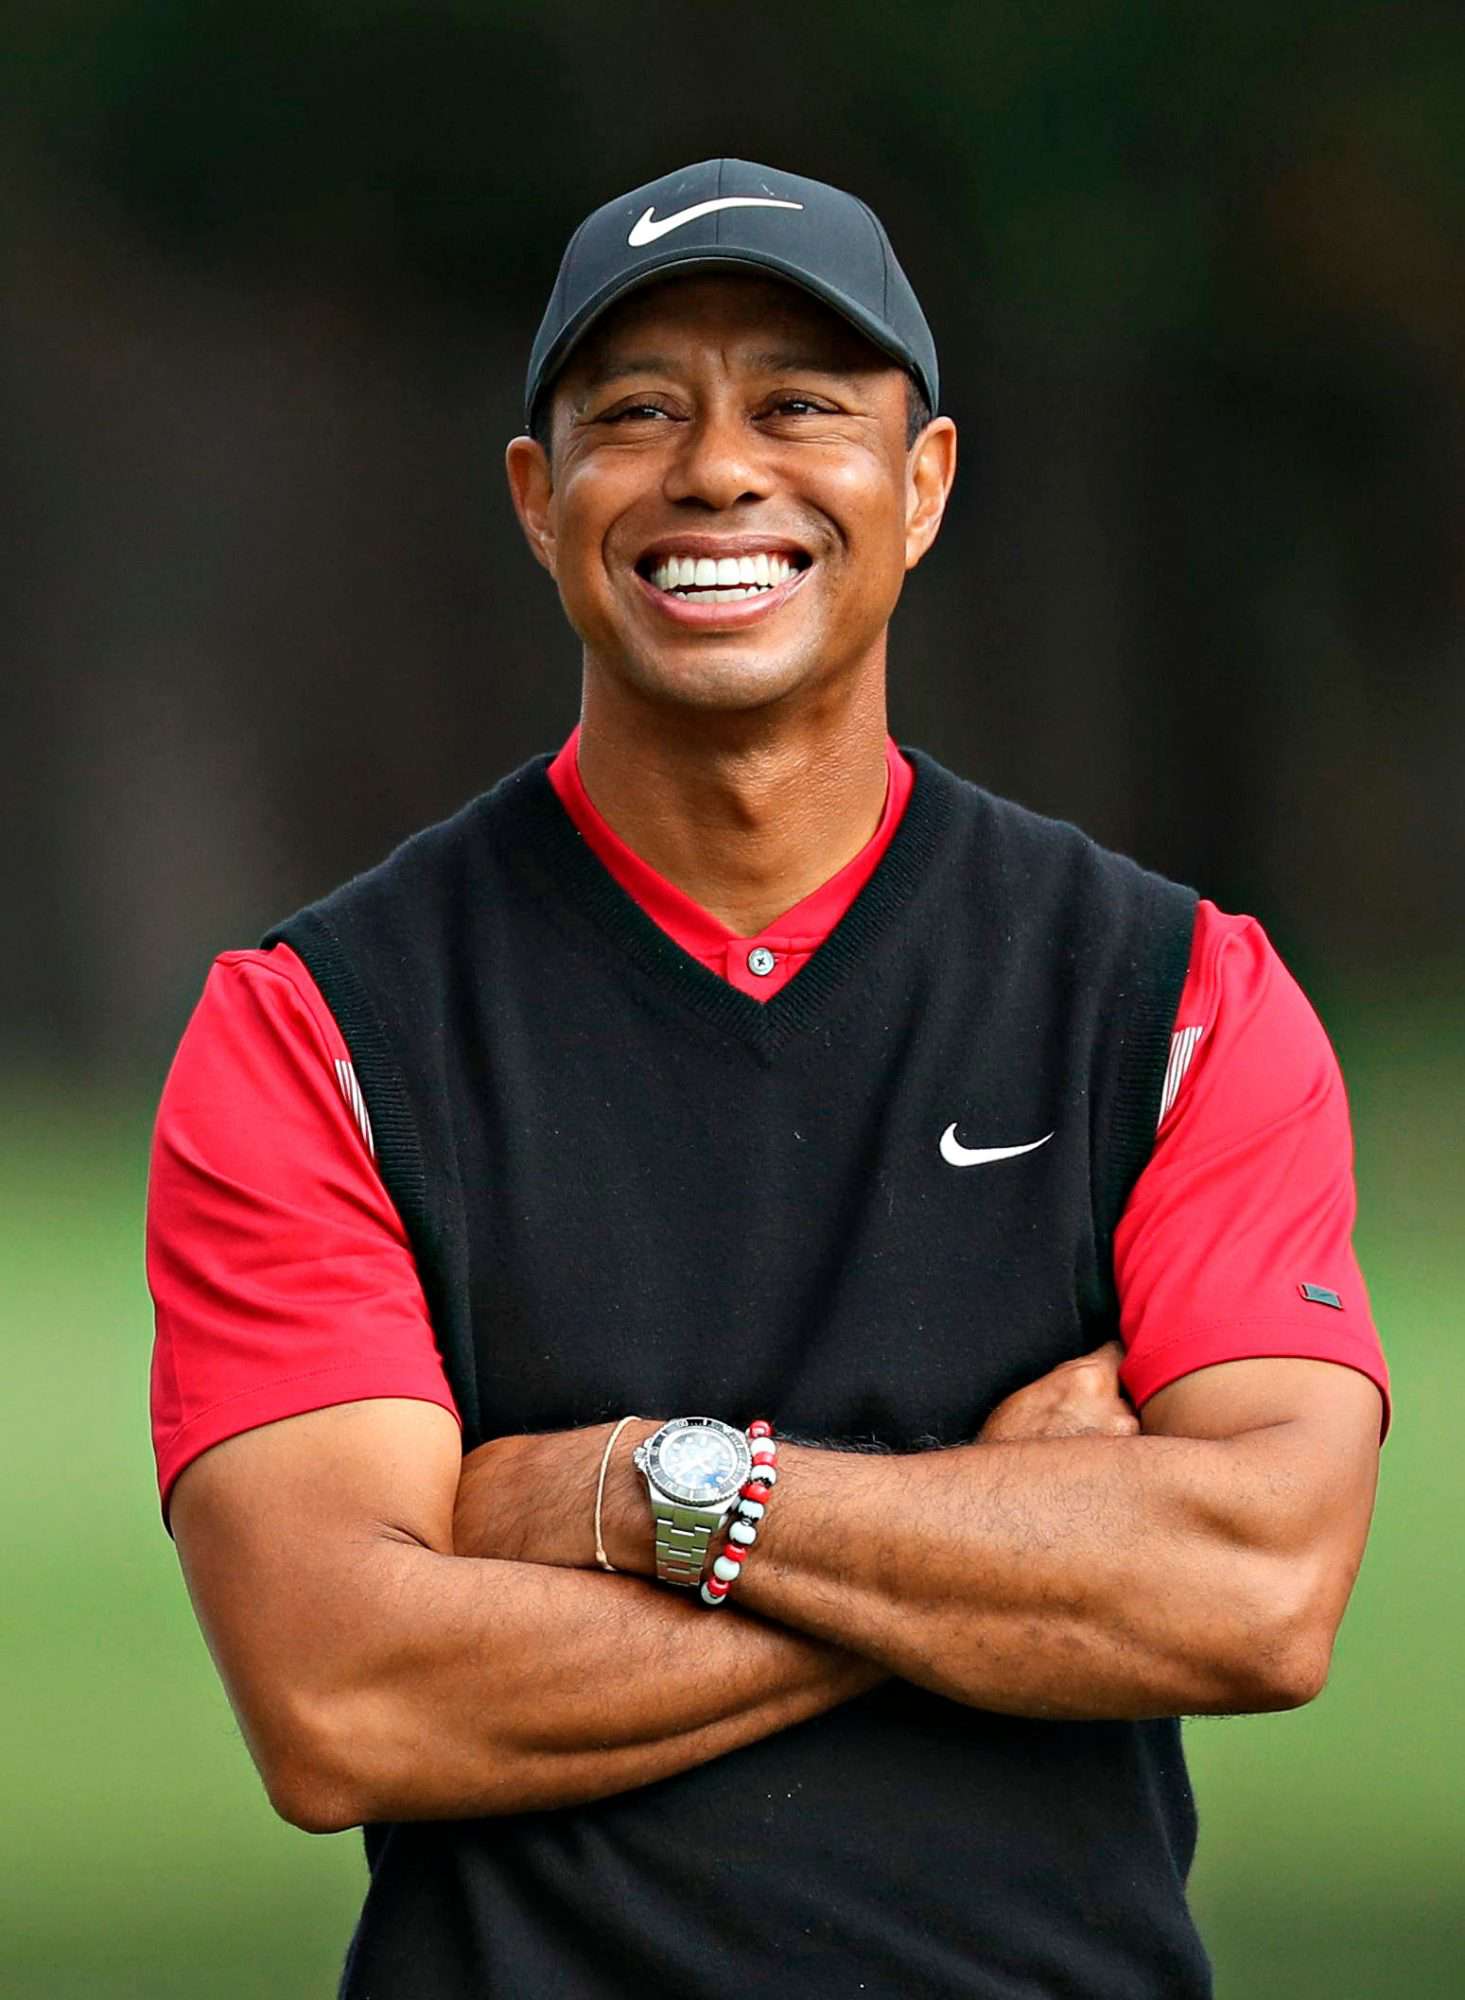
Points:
956	1155
647	231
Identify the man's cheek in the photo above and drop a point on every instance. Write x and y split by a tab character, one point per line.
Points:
586	611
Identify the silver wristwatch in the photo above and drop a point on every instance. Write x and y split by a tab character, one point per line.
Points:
695	1468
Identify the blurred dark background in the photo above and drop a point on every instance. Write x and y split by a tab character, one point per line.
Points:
270	275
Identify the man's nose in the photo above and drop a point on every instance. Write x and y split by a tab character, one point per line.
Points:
718	464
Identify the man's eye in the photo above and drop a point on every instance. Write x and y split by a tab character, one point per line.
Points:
799	406
634	410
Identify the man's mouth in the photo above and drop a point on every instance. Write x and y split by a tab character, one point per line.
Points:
704	579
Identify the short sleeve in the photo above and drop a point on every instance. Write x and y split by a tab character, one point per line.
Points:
1236	1242
281	1276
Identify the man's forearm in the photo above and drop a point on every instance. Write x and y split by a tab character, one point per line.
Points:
503	1687
1079	1576
1063	1565
378	1675
1088	1578
1085	1577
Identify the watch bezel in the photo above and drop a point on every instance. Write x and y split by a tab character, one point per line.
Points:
649	1458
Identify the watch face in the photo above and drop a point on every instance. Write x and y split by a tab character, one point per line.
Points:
699	1460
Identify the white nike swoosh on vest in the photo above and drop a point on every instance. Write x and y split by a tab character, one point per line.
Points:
956	1155
647	231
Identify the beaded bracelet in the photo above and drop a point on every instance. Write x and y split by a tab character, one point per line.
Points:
752	1506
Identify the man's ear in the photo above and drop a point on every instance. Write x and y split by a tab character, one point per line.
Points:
531	484
930	470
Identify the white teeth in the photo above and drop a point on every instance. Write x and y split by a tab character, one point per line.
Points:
722	578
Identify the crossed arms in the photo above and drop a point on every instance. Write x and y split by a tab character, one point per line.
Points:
406	1633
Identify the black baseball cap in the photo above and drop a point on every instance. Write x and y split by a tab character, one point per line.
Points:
724	212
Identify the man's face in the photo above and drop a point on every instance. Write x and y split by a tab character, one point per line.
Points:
729	420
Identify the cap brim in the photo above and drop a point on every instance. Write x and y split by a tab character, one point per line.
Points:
690	259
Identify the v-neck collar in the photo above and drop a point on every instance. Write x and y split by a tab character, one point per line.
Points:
765	1026
785	944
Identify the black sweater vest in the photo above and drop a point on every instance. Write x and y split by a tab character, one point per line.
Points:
630	1187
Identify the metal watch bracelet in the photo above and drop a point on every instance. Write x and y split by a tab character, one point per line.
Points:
683	1536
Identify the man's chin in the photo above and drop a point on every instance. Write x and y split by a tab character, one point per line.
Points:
714	677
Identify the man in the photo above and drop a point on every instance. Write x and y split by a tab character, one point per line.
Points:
734	1065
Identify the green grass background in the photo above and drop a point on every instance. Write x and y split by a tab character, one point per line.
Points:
142	1862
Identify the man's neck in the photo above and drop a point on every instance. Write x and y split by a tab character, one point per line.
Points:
746	813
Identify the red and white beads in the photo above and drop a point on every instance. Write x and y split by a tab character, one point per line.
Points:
752	1506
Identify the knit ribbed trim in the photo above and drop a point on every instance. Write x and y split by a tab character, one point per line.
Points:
1162	947
399	1154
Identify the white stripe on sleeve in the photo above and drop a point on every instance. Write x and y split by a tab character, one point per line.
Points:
351	1091
1182	1048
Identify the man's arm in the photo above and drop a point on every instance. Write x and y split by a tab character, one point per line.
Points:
1201	1567
378	1675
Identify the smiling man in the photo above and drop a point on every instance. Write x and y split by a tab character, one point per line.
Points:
743	1325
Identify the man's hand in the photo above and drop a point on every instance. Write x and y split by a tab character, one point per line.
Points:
1079	1398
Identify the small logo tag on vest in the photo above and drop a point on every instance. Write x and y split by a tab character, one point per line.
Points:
1321	1296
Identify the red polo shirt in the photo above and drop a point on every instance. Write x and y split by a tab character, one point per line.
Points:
283	1280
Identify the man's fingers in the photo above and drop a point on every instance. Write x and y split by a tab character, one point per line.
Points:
1105	1363
1080	1397
1109	1356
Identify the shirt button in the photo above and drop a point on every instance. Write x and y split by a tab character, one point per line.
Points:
761	961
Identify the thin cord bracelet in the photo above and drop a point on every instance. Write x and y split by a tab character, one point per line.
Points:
752	1506
600	1556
